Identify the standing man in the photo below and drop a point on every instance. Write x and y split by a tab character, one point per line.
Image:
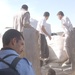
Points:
13	43
41	28
68	29
22	19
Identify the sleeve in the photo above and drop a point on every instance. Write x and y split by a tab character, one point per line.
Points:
43	22
65	21
24	67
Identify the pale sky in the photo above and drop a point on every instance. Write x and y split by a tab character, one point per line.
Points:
8	8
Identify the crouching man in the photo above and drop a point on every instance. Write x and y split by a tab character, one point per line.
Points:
68	33
10	62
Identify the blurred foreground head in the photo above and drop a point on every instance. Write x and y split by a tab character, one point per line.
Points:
60	15
13	39
46	15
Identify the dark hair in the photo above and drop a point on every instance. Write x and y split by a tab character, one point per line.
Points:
46	14
25	7
9	35
60	13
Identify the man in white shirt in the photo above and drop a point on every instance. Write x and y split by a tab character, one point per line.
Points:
68	29
41	27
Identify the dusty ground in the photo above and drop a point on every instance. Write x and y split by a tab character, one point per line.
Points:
59	70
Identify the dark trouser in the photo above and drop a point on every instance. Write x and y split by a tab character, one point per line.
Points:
44	47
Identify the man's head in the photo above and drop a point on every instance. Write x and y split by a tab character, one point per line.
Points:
46	15
25	7
13	39
60	15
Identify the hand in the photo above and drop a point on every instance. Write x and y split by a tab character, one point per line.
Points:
63	35
49	37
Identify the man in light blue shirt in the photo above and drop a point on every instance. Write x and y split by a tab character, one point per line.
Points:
13	43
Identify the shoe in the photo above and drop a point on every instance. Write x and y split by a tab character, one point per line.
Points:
68	62
66	65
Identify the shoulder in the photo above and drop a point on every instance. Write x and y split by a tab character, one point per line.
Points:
24	64
43	20
26	61
65	18
26	13
24	67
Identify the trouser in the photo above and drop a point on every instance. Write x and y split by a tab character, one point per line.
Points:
44	47
68	44
70	47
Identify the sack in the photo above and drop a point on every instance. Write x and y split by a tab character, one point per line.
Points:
11	70
63	57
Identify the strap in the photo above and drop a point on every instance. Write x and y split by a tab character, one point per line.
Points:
1	60
15	61
9	56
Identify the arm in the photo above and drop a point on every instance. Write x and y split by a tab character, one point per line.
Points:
26	20
63	35
66	24
65	21
44	30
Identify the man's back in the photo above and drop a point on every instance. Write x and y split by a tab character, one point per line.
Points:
18	20
24	67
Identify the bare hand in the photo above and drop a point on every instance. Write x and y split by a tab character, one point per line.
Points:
63	35
49	37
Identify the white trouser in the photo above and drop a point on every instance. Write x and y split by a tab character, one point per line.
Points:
65	41
68	44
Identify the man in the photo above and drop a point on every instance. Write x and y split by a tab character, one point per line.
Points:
42	30
22	19
68	29
13	44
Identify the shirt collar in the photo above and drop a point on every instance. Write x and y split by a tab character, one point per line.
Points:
7	51
7	48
